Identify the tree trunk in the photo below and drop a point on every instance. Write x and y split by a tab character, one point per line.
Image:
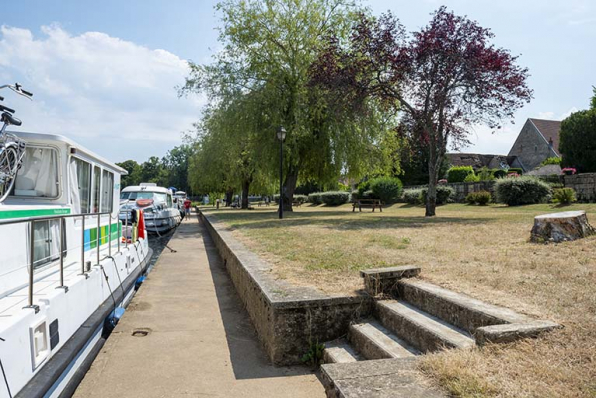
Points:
561	227
229	195
431	194
289	188
245	187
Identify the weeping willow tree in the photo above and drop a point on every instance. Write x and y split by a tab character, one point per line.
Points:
268	48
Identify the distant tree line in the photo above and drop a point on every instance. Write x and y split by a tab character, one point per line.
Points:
169	171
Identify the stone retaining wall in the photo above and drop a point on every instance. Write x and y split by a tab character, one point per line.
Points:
584	185
287	318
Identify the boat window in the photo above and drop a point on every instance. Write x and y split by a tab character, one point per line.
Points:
80	175
46	242
107	196
156	196
38	175
96	190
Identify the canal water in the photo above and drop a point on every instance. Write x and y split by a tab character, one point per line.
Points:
158	244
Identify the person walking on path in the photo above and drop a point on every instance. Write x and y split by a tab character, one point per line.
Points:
187	203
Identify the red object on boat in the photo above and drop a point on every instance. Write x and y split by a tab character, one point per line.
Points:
141	224
144	202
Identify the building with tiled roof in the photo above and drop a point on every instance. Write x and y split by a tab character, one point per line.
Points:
537	141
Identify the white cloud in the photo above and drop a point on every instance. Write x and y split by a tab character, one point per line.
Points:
113	96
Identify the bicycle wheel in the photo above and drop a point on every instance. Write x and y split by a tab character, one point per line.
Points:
8	168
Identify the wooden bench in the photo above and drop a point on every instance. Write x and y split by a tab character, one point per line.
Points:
374	203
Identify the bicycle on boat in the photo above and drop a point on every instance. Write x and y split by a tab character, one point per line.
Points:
12	149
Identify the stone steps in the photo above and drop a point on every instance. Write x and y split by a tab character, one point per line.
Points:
340	351
380	378
457	309
374	341
420	329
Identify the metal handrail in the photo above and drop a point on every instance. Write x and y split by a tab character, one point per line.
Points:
61	218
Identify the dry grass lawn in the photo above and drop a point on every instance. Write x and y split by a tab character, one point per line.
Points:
480	251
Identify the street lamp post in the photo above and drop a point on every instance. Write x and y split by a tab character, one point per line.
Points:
281	136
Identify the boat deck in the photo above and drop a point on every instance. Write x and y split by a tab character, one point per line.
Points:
193	336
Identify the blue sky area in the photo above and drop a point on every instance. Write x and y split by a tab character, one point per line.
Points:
104	72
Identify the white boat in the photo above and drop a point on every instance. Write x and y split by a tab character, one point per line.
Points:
65	273
179	198
160	212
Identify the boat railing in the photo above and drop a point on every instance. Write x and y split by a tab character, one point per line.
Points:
61	219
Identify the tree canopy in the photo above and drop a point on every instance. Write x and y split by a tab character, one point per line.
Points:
444	79
268	50
578	139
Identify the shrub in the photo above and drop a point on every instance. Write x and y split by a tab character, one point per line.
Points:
553	160
387	189
413	196
335	198
515	170
472	178
315	198
564	196
459	173
568	171
444	194
300	198
343	187
499	173
363	187
521	191
486	174
480	198
355	195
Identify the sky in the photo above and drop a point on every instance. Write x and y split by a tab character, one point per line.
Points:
105	73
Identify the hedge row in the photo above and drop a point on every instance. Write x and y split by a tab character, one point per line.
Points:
418	196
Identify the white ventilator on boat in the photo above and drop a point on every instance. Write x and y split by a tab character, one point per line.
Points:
65	272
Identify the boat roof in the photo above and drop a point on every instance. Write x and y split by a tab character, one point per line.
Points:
180	193
146	188
28	136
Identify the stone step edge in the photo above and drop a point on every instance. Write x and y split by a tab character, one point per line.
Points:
486	322
417	333
396	377
384	280
339	351
509	332
359	338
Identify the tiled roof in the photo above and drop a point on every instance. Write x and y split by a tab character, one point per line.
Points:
549	130
478	160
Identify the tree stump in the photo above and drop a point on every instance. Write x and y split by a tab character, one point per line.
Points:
560	227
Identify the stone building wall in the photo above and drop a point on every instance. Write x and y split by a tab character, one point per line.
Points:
530	147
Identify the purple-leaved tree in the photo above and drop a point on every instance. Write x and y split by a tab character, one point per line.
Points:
442	79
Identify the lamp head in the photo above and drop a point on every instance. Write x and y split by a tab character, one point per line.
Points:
281	133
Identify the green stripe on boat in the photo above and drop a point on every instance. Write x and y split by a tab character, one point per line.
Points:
33	213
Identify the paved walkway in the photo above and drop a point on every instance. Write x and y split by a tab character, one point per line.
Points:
201	342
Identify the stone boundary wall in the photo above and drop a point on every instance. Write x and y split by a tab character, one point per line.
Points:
584	185
287	318
462	189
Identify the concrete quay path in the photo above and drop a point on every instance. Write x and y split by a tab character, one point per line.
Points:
201	342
